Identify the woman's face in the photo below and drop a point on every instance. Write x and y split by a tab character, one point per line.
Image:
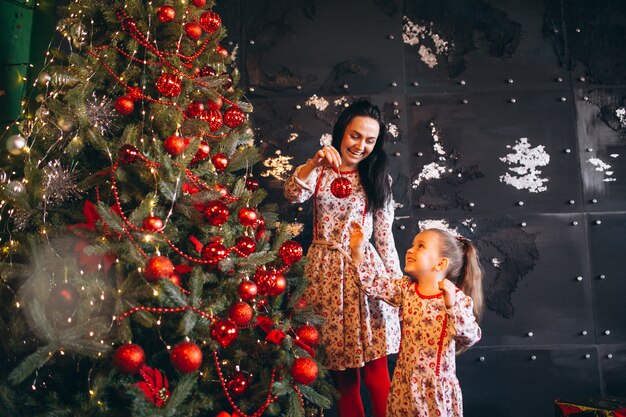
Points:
358	141
424	255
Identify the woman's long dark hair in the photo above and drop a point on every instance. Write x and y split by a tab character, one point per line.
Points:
373	170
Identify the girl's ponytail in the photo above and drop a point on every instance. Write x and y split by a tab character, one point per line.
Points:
471	277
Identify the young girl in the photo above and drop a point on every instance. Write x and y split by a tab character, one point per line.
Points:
439	319
359	332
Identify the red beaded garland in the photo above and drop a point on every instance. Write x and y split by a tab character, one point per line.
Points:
128	153
341	187
124	105
158	267
290	252
216	212
175	145
247	290
129	358
233	117
241	313
304	371
220	161
168	85
210	21
166	13
186	357
224	331
193	30
152	223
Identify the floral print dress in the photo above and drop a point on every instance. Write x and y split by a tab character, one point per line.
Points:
358	329
424	382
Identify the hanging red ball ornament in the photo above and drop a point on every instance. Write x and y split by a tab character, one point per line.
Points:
216	212
64	297
240	313
248	216
304	371
221	189
129	25
308	334
166	13
341	187
186	357
224	331
175	145
152	223
194	109
134	93
265	279
290	252
229	79
168	85
193	30
204	151
245	246
223	52
198	3
280	285
207	72
158	267
128	153
233	117
220	161
215	104
247	290
252	184
210	21
129	358
213	118
124	105
301	303
214	252
238	383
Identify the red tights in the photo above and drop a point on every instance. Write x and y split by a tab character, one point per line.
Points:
348	383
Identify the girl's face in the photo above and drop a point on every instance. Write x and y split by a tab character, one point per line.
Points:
358	141
424	256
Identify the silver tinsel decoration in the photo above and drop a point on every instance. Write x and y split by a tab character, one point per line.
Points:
59	184
21	218
101	113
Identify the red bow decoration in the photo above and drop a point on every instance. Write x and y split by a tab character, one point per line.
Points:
154	385
90	262
276	336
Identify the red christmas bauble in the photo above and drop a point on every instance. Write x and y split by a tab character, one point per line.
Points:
210	21
229	79
213	118
308	334
245	246
265	279
240	313
124	105
238	383
216	212
198	3
176	280
280	284
194	109
221	189
225	414
168	85
207	72
248	216
152	223
129	25
193	30
129	358
64	297
134	93
214	252
290	252
233	117
215	104
128	153
341	187
223	52
186	357
247	290
158	267
175	145
220	161
304	371
252	184
301	303
166	13
224	331
203	152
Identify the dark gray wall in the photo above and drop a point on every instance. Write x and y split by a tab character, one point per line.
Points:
551	72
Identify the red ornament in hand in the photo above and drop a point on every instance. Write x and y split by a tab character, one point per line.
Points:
166	13
152	223
233	117
247	290
224	332
238	383
213	118
245	246
128	153
220	161
304	371
252	184
175	145
124	105
214	252
216	212
193	30
64	298
248	216
290	252
203	153
210	21
308	334
341	187
240	313
168	85
194	109
198	3
129	358
158	267
186	357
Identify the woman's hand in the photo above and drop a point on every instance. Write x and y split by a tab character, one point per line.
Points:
449	292
357	242
327	156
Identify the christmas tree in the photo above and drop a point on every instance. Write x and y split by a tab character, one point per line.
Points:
143	275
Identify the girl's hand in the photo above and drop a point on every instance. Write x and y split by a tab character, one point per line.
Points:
449	292
357	242
327	156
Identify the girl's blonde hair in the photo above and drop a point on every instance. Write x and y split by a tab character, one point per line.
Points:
464	268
